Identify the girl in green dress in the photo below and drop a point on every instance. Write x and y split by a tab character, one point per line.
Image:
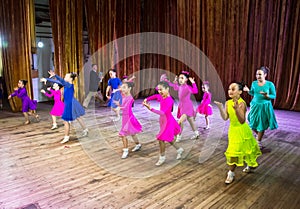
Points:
242	146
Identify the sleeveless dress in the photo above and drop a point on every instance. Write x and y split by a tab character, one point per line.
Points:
242	146
261	115
130	125
205	107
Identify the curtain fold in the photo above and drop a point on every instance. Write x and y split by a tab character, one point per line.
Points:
106	22
67	29
16	23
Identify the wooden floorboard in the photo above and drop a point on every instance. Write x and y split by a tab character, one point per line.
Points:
88	172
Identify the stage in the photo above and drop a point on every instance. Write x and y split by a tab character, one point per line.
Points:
88	172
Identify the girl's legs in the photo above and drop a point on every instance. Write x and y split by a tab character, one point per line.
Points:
26	118
230	174
117	111
54	124
260	135
67	131
137	143
179	150
180	122
162	149
85	130
192	124
125	147
206	122
35	115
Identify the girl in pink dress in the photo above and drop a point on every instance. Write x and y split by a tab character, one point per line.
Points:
185	108
169	128
58	107
130	125
205	108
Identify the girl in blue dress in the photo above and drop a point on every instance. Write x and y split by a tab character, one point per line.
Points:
115	97
73	109
261	115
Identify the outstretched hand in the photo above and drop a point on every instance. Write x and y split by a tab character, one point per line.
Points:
43	91
219	104
51	73
146	104
44	80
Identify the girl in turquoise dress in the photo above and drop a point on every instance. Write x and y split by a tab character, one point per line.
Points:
261	115
242	146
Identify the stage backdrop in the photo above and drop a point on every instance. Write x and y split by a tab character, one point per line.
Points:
237	36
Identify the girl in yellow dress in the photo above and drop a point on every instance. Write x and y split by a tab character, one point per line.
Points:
242	146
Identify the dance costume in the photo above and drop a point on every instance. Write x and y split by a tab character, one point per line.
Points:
205	108
58	107
168	125
27	103
130	125
242	145
261	115
73	108
185	105
116	94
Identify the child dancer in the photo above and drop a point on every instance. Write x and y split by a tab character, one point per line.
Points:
27	103
130	125
113	85
205	108
261	115
242	146
185	107
58	107
73	110
168	125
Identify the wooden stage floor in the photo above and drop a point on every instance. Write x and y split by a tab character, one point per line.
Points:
87	172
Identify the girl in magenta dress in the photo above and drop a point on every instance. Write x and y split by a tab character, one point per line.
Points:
130	125
169	128
28	105
58	107
205	107
185	108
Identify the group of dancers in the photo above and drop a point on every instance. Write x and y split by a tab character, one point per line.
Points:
242	145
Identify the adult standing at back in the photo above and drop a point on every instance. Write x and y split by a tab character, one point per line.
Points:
261	115
93	86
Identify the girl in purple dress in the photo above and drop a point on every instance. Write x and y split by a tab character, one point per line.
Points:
169	128
58	107
130	125
27	103
205	107
185	108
